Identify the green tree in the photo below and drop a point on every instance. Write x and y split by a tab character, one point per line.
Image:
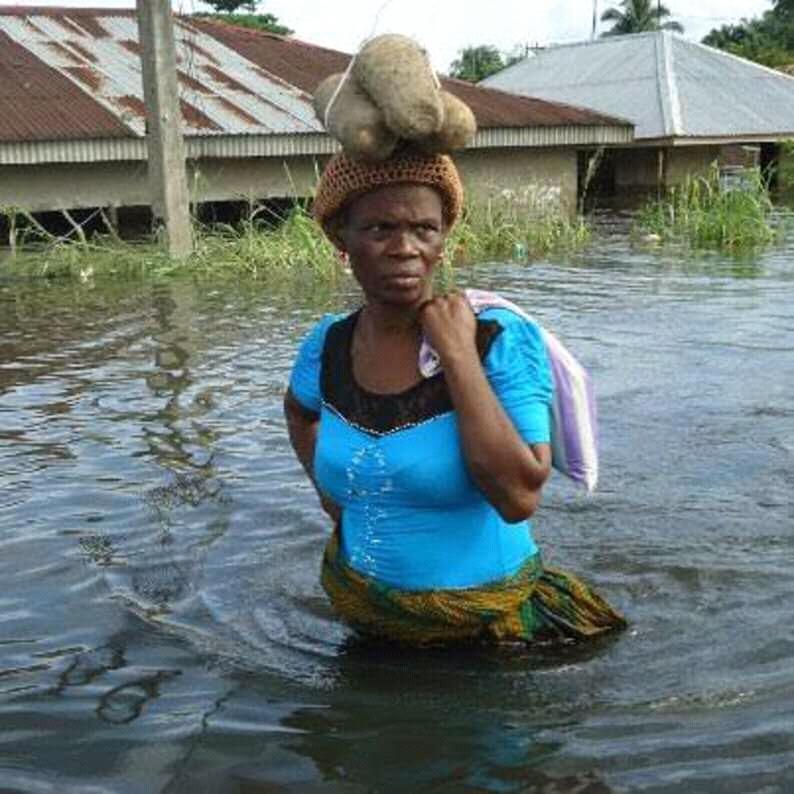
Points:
231	6
638	16
228	11
768	39
477	63
518	53
266	22
783	9
751	40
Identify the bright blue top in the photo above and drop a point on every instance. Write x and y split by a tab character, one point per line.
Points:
411	515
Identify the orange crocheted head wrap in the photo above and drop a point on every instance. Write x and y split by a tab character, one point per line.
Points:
345	179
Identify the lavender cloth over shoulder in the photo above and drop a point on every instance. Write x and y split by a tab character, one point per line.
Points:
574	426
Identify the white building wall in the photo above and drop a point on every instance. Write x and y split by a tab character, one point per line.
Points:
547	174
543	174
122	184
684	161
640	167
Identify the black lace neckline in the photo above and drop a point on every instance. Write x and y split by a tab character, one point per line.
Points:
354	318
381	414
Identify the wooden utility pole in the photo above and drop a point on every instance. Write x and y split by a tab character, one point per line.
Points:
166	149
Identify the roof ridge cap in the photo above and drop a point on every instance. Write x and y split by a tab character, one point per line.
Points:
598	40
667	86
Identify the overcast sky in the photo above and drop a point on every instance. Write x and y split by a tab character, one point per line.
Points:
446	26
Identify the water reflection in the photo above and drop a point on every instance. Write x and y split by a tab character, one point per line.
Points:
183	491
175	341
124	703
86	666
401	731
475	751
159	550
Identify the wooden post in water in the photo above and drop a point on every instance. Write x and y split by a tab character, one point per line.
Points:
166	149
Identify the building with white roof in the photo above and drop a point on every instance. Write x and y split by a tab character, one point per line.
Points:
687	101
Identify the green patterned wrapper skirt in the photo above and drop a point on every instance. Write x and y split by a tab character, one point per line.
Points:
537	604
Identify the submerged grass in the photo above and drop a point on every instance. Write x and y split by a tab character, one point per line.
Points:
257	248
508	228
706	213
294	248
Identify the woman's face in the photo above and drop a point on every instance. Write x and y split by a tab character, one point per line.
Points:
394	236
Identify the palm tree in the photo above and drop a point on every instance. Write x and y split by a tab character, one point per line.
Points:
638	16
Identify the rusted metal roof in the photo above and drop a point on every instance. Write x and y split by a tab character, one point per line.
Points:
75	74
494	108
96	54
305	66
38	102
296	62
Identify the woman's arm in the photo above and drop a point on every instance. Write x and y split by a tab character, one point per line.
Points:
302	427
507	470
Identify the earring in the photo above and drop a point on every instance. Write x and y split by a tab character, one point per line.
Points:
344	260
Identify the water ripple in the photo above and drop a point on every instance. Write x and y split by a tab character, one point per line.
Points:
161	548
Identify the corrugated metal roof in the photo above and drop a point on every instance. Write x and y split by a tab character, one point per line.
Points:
237	146
305	65
296	62
38	102
97	51
670	87
75	74
495	108
569	135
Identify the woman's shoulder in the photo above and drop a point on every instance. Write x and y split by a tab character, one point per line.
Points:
517	352
320	328
507	317
511	329
313	343
305	377
316	336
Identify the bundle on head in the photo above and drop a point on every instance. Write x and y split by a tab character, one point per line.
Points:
395	72
353	119
458	129
388	96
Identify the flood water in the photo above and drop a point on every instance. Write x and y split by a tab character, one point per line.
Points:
162	627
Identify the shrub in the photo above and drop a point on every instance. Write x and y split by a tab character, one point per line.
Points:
705	212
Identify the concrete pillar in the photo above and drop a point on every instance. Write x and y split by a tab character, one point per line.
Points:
110	217
661	171
166	150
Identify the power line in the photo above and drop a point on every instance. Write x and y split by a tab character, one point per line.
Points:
706	19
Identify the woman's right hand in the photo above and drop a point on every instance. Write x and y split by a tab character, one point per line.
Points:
450	326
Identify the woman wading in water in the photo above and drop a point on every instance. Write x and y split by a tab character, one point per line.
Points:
430	481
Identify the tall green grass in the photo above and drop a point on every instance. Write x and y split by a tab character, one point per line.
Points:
702	213
292	248
258	247
785	170
504	227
